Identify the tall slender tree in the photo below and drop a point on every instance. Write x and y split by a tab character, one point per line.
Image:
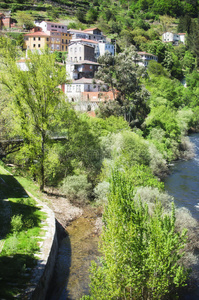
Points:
37	102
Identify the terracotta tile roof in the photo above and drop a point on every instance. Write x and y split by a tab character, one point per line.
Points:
38	33
91	29
97	96
145	53
91	113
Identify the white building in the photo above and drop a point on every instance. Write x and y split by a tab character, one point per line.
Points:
104	46
90	34
79	52
52	26
173	38
145	58
100	47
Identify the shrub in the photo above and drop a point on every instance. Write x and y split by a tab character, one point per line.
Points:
16	223
157	164
151	195
101	191
77	187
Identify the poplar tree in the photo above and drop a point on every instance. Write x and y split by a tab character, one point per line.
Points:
37	102
140	252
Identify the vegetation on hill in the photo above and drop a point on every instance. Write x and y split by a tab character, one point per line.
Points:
137	134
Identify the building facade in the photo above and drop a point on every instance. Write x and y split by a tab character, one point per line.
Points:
145	58
174	38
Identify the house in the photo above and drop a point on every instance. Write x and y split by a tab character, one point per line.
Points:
87	95
6	21
78	51
174	38
145	58
36	40
95	34
100	47
52	26
77	70
89	34
55	40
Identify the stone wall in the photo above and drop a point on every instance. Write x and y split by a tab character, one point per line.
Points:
43	271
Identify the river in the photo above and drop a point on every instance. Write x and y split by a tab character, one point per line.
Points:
71	276
183	185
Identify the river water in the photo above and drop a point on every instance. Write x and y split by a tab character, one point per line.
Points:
71	276
183	185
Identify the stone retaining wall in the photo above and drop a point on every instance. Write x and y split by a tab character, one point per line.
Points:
43	271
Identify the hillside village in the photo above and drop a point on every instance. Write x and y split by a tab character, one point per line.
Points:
83	48
130	72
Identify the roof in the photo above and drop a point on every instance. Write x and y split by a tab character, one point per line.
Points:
181	33
72	42
97	96
60	24
86	62
75	30
38	33
84	80
91	29
145	53
84	40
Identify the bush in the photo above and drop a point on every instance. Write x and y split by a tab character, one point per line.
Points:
16	223
151	195
76	187
101	191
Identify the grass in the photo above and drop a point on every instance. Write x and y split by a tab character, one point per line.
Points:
20	232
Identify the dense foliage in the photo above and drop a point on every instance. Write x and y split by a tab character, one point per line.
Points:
140	251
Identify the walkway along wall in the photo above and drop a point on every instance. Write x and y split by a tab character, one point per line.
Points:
43	271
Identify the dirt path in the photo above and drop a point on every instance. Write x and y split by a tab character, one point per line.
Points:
66	212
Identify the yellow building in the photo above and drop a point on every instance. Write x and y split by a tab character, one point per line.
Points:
65	41
56	41
36	40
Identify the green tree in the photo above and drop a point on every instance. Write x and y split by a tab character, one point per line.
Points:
37	104
24	19
140	252
122	74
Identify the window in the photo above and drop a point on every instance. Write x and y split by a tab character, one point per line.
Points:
62	47
88	87
47	39
39	39
52	25
75	50
77	88
80	58
59	26
39	45
34	39
62	27
66	48
57	47
34	45
66	42
62	41
91	67
55	26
